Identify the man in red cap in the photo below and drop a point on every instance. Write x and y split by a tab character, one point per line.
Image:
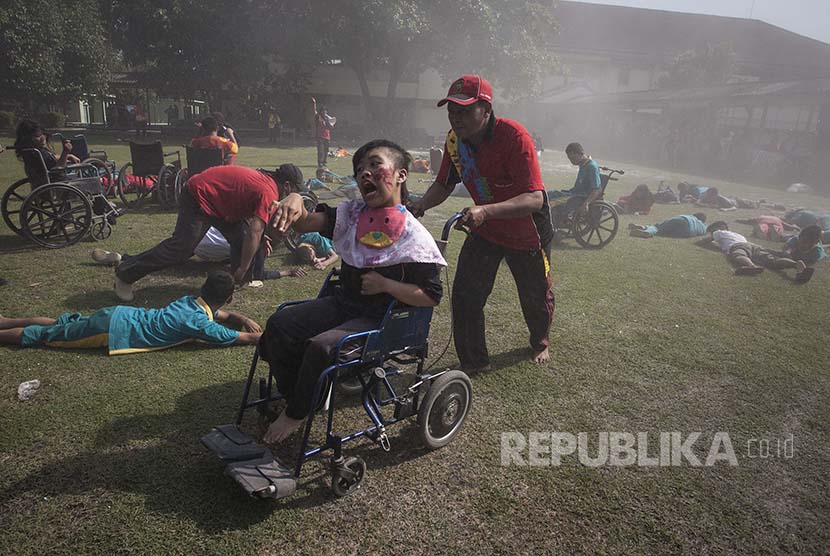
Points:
496	160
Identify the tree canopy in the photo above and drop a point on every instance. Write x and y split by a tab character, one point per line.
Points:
52	51
254	49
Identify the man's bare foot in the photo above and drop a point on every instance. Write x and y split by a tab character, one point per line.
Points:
541	356
281	428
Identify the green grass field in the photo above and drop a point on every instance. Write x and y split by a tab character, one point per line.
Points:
650	336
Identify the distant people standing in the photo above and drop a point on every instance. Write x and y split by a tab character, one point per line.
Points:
172	114
323	123
274	125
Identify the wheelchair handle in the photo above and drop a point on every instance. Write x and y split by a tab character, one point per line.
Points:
453	223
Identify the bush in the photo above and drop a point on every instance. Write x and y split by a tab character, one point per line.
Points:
51	120
7	119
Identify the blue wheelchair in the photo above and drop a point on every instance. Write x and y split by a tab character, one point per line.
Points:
440	400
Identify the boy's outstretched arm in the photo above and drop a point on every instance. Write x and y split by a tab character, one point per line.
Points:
238	320
291	213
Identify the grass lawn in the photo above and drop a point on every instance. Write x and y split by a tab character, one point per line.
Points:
650	336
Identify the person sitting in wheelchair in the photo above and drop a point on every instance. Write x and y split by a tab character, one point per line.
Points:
586	189
386	254
209	138
30	135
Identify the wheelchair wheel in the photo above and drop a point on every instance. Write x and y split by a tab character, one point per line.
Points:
346	477
310	203
444	408
56	215
598	227
101	229
12	202
181	182
132	189
166	187
104	172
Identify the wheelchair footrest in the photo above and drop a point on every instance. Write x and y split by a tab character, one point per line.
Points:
264	477
231	444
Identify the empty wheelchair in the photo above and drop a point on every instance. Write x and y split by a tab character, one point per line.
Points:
149	174
376	359
105	167
593	229
59	207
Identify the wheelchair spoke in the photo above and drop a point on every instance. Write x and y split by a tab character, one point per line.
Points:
610	231
604	220
599	235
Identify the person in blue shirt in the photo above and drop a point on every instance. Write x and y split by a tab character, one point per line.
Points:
316	250
587	187
123	329
806	246
681	226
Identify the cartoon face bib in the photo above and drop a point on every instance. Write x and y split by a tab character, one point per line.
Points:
365	237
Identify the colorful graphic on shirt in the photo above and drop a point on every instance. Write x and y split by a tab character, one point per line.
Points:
382	226
465	165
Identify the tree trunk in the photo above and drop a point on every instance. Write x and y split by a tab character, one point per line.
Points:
368	113
395	72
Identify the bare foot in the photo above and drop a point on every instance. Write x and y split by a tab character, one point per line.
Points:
281	428
541	356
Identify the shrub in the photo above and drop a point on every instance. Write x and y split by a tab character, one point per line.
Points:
7	119
52	120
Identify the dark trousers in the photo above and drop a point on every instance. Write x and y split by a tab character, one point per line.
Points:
191	226
298	343
322	151
478	264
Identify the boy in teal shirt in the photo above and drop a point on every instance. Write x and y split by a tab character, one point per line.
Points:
123	329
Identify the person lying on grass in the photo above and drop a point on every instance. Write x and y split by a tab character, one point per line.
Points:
750	259
386	254
122	329
684	225
316	250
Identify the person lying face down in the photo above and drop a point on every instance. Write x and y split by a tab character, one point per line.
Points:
124	329
386	254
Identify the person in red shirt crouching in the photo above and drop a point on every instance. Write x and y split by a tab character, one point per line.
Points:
237	201
496	159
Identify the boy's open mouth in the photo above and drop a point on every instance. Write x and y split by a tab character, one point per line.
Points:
368	187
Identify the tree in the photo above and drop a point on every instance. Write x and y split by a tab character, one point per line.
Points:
712	65
507	40
52	52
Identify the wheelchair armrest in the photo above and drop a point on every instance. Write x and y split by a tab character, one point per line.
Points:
172	153
290	303
362	336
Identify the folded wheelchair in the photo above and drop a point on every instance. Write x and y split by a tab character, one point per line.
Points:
376	360
58	207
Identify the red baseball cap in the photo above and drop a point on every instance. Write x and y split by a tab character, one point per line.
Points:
468	89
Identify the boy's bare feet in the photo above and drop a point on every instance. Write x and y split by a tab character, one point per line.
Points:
541	356
281	428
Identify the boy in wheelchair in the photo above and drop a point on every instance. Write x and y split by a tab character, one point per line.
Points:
586	189
386	254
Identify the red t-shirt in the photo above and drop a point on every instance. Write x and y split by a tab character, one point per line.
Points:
233	193
323	130
503	166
